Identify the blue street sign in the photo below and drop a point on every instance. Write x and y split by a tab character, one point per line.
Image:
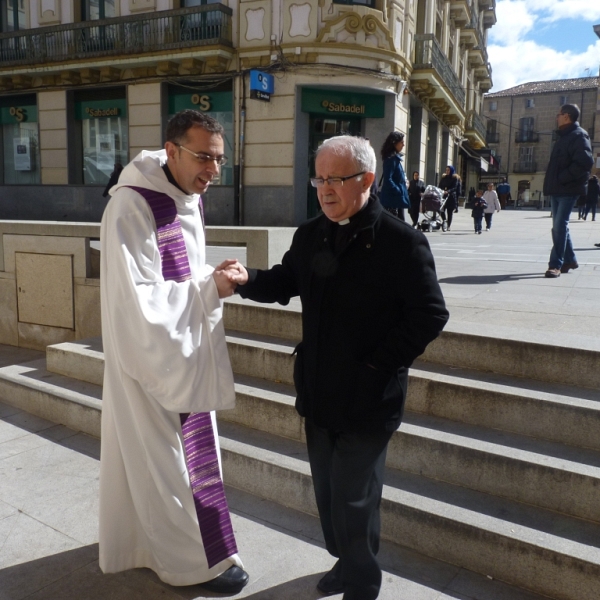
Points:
262	82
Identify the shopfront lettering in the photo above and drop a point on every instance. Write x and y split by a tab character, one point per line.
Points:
203	102
20	114
357	109
102	112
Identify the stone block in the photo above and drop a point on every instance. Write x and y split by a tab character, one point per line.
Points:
53	139
147	136
145	114
45	289
55	176
8	314
54	159
87	309
144	93
52	100
37	337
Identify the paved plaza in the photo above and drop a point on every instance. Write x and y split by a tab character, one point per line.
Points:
494	284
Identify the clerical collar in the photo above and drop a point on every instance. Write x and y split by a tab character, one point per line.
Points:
349	220
171	179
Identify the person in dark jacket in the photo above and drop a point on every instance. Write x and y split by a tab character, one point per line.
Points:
449	185
371	304
566	179
479	206
416	187
113	179
591	200
393	193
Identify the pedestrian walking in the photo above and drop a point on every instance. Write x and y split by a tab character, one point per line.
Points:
393	194
492	205
477	213
449	184
591	199
566	179
503	191
416	187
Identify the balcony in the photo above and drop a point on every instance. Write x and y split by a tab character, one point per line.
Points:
528	166
164	30
475	130
460	11
526	137
434	81
492	137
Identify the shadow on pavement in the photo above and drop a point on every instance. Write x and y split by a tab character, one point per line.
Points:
488	279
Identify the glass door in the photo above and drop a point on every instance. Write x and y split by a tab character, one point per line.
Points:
321	129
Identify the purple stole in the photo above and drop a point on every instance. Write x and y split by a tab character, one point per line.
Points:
198	435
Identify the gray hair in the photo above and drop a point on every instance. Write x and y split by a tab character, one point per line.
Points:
356	148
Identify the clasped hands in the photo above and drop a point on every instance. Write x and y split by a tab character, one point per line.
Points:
228	275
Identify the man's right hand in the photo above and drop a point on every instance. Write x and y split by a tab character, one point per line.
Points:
228	275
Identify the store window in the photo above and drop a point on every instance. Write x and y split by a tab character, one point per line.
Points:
93	10
12	15
20	140
102	134
216	102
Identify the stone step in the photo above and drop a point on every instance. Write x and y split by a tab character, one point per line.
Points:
530	547
546	474
70	402
523	545
559	413
457	346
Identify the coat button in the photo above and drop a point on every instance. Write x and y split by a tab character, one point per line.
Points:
325	240
368	245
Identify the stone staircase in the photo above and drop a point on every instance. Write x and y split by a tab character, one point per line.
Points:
496	467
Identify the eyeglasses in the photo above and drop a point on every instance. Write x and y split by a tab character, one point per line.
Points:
202	157
333	181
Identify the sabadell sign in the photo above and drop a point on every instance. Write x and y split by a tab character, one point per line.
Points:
343	104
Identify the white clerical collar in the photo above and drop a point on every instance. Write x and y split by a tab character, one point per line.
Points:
344	222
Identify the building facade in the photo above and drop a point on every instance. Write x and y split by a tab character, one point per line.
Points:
88	83
521	122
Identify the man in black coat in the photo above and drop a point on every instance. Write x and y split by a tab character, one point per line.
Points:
370	305
566	179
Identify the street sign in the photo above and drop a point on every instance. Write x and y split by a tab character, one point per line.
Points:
262	85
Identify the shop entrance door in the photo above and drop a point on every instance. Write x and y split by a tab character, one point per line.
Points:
322	129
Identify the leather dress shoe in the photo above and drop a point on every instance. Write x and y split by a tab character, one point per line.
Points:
553	273
331	582
566	266
230	582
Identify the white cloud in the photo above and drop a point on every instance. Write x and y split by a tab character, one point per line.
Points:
527	61
515	59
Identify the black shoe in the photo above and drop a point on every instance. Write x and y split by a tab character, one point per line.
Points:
331	582
230	582
552	273
566	266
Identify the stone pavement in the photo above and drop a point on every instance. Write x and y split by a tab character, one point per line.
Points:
494	285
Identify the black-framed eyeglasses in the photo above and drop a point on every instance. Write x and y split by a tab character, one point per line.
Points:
202	157
333	181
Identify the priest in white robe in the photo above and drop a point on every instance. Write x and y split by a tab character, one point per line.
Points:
166	362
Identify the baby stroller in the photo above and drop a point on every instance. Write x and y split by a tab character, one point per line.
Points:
432	205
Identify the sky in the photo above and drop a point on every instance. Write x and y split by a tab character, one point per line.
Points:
539	40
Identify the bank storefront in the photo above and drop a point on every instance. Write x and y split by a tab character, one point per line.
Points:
334	112
20	140
101	135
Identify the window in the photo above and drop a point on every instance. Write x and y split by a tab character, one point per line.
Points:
92	10
493	106
13	15
564	100
529	103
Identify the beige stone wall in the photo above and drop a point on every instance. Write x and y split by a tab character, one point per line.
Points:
144	113
46	293
52	115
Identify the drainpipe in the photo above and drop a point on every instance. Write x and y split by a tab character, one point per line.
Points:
510	130
242	151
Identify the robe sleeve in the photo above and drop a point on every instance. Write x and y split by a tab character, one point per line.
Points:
167	336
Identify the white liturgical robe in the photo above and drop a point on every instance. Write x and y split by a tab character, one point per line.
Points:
165	354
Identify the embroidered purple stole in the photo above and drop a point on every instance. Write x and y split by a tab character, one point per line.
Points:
198	434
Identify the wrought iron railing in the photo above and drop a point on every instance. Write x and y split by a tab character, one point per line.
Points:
492	137
475	123
163	30
429	55
528	166
526	136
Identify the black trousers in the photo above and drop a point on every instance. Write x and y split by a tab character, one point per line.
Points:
347	470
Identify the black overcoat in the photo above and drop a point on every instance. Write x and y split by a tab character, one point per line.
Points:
367	312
